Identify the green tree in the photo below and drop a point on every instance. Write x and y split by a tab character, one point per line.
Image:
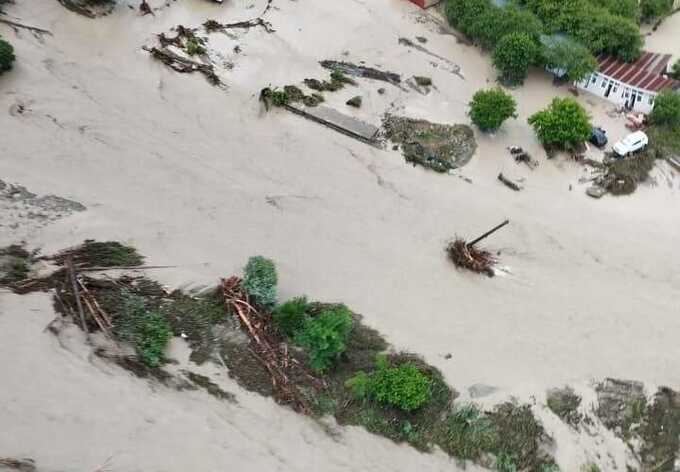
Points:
325	336
651	10
666	109
675	70
513	55
564	124
6	56
490	108
290	317
260	279
571	57
463	14
494	23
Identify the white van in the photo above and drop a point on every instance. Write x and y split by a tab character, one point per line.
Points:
632	143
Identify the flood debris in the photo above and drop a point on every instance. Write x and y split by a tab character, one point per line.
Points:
521	156
464	254
565	403
621	405
15	264
38	32
214	25
89	8
623	175
24	464
436	146
273	354
183	64
509	183
361	71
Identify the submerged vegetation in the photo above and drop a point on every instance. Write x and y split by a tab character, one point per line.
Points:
6	56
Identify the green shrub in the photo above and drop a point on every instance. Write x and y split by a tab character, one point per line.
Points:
666	110
291	316
490	108
260	280
564	124
513	55
195	46
148	331
571	57
404	387
468	433
325	336
6	56
651	10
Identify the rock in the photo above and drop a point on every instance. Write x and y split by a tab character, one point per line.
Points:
381	91
355	102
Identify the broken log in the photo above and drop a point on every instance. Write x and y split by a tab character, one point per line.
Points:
76	293
34	29
509	183
487	234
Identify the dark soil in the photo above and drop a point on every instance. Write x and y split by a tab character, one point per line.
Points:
436	146
564	402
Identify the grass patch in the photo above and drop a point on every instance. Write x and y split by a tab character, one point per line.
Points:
15	264
101	254
564	403
467	433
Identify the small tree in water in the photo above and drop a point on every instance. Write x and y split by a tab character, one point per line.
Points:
6	56
564	124
513	55
490	108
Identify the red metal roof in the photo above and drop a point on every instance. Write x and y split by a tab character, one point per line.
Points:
645	73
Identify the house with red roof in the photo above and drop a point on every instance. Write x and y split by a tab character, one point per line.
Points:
633	85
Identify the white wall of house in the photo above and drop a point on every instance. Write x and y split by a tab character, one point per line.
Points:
619	93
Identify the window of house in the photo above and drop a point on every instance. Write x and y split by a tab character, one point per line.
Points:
604	83
639	97
594	78
616	87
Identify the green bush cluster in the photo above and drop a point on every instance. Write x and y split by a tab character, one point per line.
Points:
651	10
324	336
6	56
291	316
666	110
513	55
490	108
404	386
260	279
148	331
609	27
571	57
564	124
468	433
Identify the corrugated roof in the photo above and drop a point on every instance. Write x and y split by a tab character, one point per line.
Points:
645	73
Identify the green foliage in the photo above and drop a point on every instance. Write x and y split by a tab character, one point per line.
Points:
404	387
675	70
195	46
590	468
513	55
148	331
505	463
6	56
573	58
106	254
325	336
651	10
666	110
629	9
564	124
468	433
291	316
260	279
490	108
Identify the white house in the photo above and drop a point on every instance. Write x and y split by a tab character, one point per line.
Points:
632	85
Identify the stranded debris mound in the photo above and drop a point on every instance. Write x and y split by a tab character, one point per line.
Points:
471	258
433	145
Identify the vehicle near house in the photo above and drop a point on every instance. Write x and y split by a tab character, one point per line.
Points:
632	143
599	137
633	86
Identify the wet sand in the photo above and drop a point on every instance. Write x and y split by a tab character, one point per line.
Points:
202	178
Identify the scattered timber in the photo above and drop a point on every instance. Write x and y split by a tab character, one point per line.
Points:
488	233
182	64
33	29
509	183
362	71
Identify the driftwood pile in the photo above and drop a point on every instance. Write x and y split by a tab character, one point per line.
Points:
266	346
521	156
464	254
471	258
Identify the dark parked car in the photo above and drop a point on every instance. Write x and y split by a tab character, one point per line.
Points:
599	137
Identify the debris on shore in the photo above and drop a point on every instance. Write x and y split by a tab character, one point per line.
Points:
464	254
621	175
361	71
509	183
436	146
521	156
89	8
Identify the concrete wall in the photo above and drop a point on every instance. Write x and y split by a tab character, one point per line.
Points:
618	93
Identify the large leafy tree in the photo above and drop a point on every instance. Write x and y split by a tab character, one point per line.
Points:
666	109
490	108
513	55
6	56
651	10
564	124
571	57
